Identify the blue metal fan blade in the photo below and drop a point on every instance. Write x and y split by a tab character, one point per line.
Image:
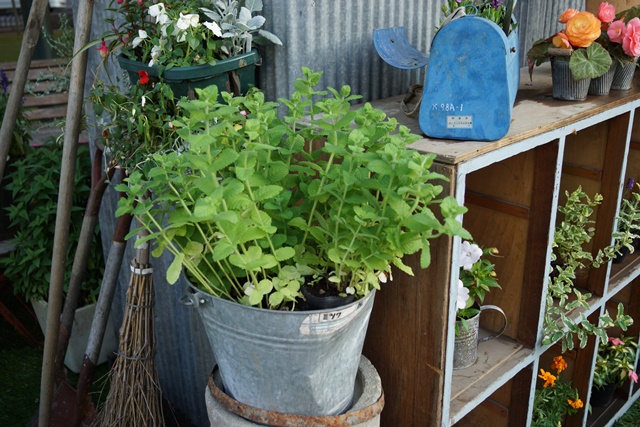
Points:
394	48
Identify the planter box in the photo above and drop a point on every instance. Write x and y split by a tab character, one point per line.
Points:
79	335
620	5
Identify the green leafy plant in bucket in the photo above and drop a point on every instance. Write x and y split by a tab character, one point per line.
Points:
257	205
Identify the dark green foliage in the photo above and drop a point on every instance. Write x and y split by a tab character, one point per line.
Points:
34	185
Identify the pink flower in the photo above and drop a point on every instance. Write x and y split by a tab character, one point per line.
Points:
633	376
631	38
606	12
616	341
616	31
104	50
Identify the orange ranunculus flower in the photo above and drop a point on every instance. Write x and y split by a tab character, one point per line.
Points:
576	404
549	380
559	364
583	29
561	41
567	14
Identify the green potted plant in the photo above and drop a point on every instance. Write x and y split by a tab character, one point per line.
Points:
570	258
574	55
477	277
556	398
493	10
134	123
622	46
34	187
189	44
616	38
615	362
630	222
256	207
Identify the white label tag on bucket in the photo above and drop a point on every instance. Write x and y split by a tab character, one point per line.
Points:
459	122
328	322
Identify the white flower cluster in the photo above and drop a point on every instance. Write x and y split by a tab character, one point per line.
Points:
180	28
470	253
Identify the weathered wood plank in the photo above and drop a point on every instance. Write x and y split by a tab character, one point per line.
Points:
46	100
533	115
46	113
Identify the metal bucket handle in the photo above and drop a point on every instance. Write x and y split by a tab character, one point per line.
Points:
191	298
504	325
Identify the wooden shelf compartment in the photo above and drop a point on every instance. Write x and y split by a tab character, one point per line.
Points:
505	407
511	187
604	416
509	205
592	160
624	273
499	360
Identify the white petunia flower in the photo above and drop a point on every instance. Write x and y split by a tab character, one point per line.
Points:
144	100
214	27
157	10
462	296
142	34
186	21
155	52
469	254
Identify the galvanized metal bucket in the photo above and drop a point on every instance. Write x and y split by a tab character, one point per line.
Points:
623	76
465	350
602	85
300	362
565	87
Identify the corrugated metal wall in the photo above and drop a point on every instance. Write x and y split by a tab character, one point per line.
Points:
333	36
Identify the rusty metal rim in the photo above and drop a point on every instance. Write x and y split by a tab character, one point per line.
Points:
277	419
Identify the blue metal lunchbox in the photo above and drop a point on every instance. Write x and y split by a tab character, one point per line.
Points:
472	77
471	82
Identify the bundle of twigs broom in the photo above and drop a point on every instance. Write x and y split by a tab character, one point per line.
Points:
135	398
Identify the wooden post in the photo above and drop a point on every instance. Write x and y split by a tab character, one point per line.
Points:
65	199
29	42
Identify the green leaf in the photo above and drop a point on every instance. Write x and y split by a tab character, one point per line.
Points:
591	62
266	192
284	253
174	270
380	166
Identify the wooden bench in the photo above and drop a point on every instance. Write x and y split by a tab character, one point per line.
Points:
44	105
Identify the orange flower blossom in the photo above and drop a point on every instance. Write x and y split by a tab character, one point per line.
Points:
559	364
583	29
561	41
568	14
576	404
549	380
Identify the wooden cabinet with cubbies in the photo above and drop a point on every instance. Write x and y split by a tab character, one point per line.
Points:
512	188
